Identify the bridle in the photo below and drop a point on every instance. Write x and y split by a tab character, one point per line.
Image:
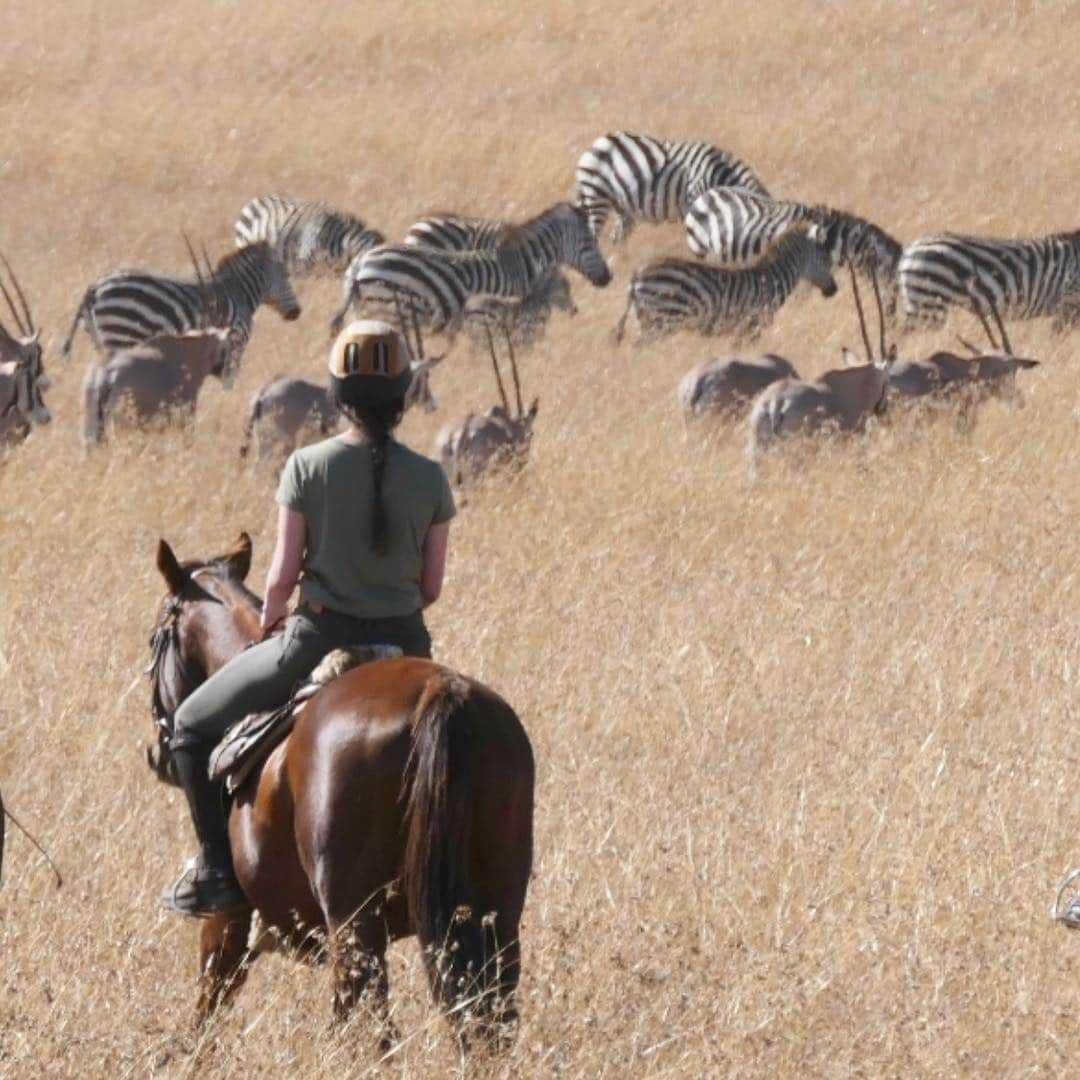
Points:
165	644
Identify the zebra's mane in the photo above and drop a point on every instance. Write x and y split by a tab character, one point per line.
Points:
516	234
250	253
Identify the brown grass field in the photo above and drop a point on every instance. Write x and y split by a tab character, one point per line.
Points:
805	785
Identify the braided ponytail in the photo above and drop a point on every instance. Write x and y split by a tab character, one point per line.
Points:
377	421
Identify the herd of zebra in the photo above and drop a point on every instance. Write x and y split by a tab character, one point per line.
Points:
159	336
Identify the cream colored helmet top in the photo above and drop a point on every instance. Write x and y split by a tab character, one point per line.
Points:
370	360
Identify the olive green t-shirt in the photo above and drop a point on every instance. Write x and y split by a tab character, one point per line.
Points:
331	484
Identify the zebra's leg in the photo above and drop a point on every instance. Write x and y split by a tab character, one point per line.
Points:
1001	327
986	326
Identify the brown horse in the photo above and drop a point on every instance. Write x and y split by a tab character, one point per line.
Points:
401	803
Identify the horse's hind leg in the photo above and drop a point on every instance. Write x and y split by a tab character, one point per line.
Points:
223	961
358	953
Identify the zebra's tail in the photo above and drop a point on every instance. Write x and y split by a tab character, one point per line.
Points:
249	428
95	396
84	307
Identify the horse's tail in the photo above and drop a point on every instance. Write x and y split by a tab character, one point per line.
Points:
439	818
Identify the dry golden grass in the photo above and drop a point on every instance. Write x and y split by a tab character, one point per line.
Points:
805	747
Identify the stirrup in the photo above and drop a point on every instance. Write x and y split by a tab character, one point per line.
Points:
1067	913
202	891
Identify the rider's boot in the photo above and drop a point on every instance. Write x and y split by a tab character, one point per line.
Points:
208	884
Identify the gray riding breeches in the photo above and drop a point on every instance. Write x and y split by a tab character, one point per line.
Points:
264	675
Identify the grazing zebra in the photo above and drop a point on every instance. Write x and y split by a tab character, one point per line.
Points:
128	307
313	237
437	284
637	176
1008	279
448	232
677	294
731	225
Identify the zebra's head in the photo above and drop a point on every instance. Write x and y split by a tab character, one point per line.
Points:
259	271
581	249
818	261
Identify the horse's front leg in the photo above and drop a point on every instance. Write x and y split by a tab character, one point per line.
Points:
223	960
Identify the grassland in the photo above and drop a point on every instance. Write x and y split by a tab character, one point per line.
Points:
804	746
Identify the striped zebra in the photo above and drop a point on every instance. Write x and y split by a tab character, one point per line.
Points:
678	294
313	237
732	225
451	232
1006	279
638	176
437	284
128	307
520	320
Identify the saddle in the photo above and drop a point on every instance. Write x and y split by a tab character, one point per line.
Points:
248	744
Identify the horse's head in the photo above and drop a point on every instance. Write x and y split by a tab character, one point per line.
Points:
207	617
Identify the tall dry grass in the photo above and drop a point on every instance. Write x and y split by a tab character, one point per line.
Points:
805	746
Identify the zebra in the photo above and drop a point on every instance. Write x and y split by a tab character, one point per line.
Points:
437	284
128	307
1008	279
678	294
732	225
313	237
638	176
450	232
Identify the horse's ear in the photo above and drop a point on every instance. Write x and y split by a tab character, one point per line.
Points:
238	557
170	568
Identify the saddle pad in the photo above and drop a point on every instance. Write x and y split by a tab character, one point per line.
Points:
247	744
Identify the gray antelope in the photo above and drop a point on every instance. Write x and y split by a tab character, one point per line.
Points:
283	410
312	237
842	400
487	442
727	387
130	307
156	381
439	283
678	294
22	374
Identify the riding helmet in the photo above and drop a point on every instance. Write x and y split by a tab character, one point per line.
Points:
370	363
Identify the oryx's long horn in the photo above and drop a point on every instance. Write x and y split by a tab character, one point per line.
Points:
28	328
880	308
513	367
495	365
967	345
862	316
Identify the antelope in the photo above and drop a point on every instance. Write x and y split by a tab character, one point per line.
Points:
492	440
842	400
727	387
160	378
22	374
282	410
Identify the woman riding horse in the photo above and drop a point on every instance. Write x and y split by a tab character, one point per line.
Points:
363	524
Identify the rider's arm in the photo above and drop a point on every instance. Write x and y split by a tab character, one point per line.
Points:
285	566
431	577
